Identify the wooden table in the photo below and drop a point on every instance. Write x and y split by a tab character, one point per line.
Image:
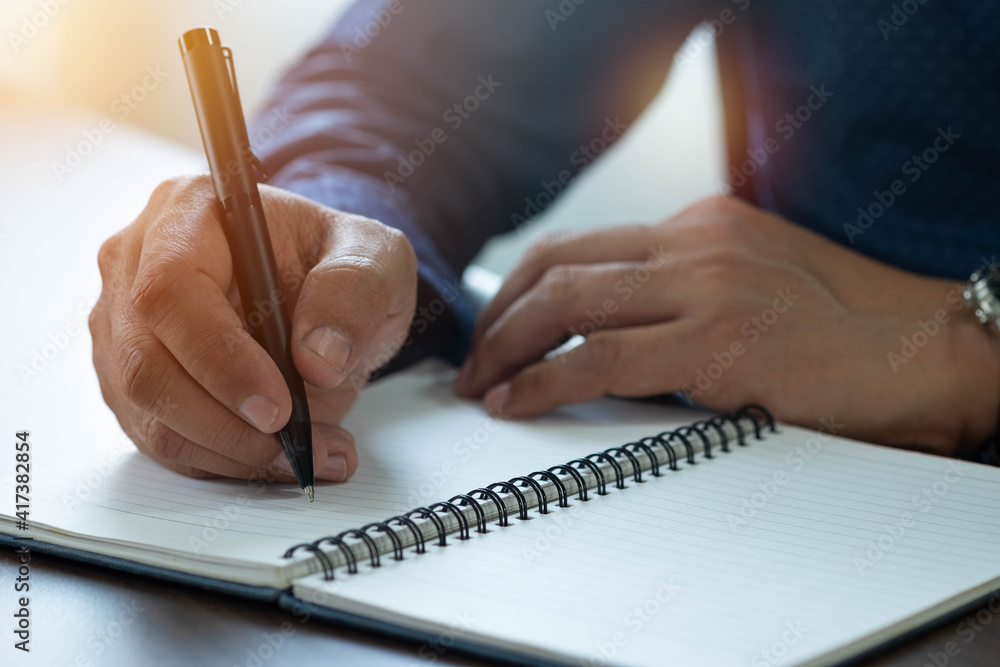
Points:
86	616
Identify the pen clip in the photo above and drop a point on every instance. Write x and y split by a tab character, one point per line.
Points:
227	54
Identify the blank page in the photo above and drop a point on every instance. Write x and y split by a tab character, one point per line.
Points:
794	549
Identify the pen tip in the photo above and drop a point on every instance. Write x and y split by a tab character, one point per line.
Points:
310	494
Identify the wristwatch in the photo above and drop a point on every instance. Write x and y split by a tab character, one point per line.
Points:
982	295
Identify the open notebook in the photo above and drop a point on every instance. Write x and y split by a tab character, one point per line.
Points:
797	548
794	548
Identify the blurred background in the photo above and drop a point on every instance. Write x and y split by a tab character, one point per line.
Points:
70	62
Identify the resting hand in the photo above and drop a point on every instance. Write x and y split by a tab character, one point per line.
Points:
733	305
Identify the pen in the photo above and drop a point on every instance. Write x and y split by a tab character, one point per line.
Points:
211	76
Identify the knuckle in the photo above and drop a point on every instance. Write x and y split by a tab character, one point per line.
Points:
559	283
232	438
719	221
722	206
176	186
401	249
603	354
542	249
151	288
365	280
720	232
212	354
142	378
721	265
108	255
93	318
162	441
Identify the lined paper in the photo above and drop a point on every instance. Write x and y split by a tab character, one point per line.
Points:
417	445
847	548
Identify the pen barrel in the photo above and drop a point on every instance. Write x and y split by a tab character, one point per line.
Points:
264	304
219	112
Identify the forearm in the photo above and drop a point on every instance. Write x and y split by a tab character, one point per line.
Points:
449	121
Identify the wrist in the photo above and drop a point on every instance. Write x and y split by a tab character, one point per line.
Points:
975	381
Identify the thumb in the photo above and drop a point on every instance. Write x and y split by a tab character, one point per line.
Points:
364	284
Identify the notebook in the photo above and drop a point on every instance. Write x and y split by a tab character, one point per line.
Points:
664	533
799	547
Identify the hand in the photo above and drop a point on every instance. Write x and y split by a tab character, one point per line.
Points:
187	382
733	305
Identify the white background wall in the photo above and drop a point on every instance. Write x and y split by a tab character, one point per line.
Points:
90	52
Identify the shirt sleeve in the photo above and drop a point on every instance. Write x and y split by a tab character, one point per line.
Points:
454	121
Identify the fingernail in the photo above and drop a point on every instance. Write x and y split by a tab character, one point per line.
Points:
260	411
497	397
281	463
332	346
464	374
335	469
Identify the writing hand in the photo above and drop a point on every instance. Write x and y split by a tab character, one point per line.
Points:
176	364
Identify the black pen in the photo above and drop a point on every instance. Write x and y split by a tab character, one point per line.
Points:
212	78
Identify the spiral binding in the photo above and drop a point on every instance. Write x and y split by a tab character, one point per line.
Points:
647	446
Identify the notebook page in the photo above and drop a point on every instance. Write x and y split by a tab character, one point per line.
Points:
777	553
89	486
417	444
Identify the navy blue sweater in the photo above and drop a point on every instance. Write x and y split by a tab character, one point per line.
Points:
870	122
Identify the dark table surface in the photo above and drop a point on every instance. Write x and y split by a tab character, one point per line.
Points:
87	616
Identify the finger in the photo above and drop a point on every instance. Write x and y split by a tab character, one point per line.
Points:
367	278
615	244
158	436
178	421
638	361
196	323
180	291
154	384
334	457
164	410
342	454
572	300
